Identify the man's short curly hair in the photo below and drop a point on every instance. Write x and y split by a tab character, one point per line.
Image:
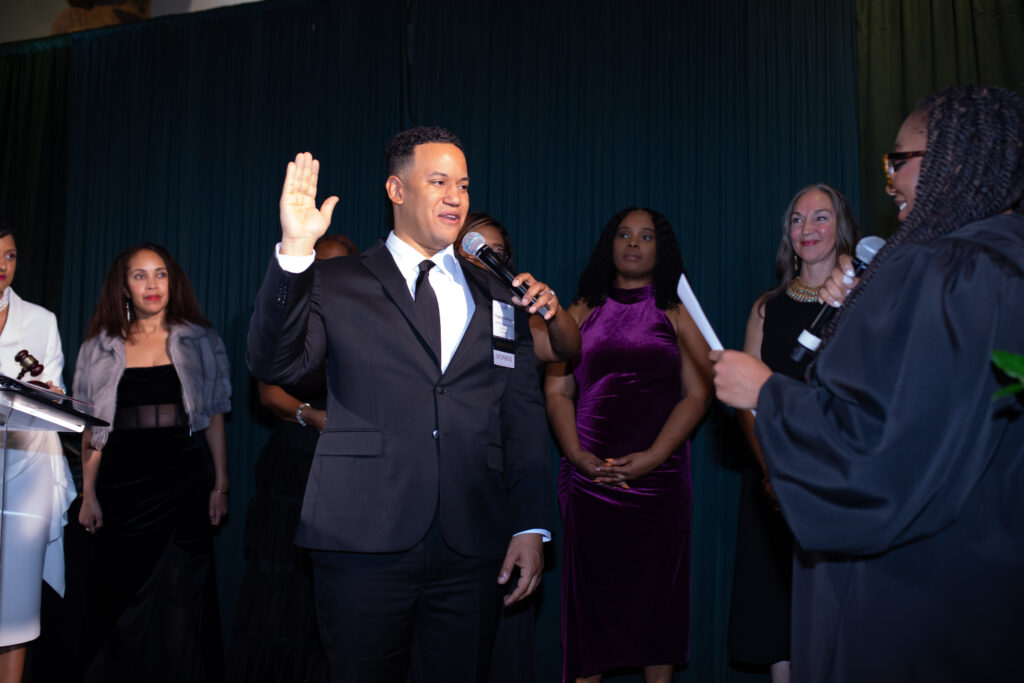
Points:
403	145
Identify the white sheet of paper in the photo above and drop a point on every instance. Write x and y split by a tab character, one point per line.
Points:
689	300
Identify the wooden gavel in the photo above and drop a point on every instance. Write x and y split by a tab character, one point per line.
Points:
30	365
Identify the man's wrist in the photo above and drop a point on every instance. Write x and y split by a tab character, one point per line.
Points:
297	246
292	263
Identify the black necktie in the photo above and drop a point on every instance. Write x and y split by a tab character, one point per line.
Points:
426	306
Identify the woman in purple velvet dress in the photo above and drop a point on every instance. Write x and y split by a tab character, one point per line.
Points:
622	415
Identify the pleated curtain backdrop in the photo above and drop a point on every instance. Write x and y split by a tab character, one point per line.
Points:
35	79
912	48
713	114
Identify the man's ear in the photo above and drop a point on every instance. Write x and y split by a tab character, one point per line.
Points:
393	186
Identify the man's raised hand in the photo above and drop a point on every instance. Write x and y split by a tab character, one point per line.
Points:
301	222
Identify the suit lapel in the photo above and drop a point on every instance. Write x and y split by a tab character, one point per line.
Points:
378	260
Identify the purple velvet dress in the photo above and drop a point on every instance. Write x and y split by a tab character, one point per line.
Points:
626	553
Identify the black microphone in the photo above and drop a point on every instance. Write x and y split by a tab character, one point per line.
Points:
810	339
475	245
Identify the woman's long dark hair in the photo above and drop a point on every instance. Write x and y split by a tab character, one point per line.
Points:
973	169
599	275
110	314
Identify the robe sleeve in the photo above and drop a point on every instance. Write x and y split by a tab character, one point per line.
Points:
885	445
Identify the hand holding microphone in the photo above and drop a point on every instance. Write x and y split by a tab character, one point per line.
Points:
810	338
475	245
839	283
539	298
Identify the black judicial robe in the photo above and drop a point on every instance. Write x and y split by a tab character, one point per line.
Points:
897	466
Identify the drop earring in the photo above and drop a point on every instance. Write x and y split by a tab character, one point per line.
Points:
127	309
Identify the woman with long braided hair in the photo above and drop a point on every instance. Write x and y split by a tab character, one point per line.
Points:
894	464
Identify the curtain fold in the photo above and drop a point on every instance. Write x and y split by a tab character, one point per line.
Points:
910	49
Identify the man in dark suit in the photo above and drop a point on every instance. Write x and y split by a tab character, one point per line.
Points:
430	487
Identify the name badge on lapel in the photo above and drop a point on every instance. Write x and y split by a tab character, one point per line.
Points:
503	334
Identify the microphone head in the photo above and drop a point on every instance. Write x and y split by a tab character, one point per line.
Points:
868	247
473	242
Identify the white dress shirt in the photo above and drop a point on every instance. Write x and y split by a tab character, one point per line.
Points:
454	301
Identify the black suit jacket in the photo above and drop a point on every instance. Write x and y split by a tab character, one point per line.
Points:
401	438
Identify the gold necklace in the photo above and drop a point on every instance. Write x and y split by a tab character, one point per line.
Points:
800	291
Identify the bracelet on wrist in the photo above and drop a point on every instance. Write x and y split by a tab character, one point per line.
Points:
222	492
298	414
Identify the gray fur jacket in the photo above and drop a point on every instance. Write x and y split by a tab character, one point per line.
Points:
198	355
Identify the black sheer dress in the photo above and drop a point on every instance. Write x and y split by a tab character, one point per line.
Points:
153	607
759	615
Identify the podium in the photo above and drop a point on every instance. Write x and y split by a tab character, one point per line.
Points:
25	407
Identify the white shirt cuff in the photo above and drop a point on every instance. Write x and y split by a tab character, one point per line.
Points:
292	264
545	534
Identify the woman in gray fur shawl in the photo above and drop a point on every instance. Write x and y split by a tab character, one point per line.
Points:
153	367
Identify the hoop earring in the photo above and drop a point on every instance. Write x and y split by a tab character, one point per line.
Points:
127	309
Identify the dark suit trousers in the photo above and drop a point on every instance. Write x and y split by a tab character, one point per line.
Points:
370	606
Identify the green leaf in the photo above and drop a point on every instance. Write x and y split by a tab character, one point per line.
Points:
1008	391
1010	363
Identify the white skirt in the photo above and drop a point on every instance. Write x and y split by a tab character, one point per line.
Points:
37	492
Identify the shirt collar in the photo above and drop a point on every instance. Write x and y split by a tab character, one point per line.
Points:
408	259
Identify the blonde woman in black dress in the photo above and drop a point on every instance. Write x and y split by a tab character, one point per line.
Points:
817	227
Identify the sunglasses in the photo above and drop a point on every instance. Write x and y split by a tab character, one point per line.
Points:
894	160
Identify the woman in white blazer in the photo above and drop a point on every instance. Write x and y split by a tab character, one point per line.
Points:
37	482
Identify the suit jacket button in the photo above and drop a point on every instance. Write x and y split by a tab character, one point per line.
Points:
436	434
441	390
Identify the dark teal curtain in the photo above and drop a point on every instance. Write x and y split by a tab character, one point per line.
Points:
908	49
712	114
34	92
